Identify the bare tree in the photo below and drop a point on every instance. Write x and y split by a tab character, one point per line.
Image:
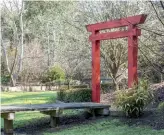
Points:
22	37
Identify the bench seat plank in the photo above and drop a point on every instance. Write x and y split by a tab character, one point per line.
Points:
54	110
48	107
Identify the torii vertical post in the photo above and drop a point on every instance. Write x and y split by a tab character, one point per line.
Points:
132	57
132	34
96	69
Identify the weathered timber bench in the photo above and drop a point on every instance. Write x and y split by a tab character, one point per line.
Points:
54	110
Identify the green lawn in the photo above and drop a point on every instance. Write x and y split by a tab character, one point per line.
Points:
26	97
24	118
106	126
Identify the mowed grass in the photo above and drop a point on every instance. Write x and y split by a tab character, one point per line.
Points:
24	118
106	126
26	97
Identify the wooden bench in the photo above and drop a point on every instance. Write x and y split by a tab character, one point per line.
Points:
54	110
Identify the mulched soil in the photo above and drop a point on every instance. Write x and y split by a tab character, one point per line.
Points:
154	119
159	91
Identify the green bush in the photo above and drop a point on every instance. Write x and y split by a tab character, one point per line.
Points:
74	95
106	87
161	107
54	73
134	100
5	79
74	86
61	94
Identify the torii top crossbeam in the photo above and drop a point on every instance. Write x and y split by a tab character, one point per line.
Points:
132	34
132	20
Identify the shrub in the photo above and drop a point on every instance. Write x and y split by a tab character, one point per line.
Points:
61	94
161	107
132	101
74	86
106	87
74	95
79	86
54	73
5	79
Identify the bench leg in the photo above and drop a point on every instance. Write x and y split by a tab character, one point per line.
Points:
54	117
8	127
93	113
54	121
102	111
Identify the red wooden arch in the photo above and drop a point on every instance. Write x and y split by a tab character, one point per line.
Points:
132	34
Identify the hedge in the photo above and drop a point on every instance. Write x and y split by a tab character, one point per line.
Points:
74	95
73	86
79	86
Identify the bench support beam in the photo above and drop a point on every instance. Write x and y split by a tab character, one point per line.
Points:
54	117
54	121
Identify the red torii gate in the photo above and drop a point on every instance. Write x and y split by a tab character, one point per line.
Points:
132	34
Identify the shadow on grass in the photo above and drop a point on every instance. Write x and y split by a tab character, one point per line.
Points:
32	127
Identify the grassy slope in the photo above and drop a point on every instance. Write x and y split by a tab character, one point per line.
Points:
103	127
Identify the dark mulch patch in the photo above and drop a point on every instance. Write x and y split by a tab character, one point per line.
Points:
153	119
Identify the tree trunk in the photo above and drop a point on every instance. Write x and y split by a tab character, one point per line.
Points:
68	83
48	42
22	45
7	64
115	85
13	81
161	77
114	78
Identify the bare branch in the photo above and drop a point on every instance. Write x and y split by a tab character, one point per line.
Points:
157	13
162	4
